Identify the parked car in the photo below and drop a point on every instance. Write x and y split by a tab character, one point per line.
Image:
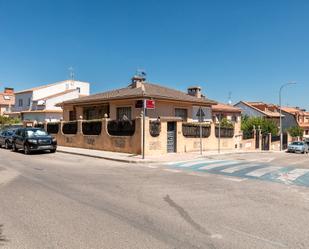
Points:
6	138
301	147
33	139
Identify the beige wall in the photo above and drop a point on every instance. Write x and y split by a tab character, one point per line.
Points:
163	109
104	141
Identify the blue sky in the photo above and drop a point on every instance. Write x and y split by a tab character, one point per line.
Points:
247	47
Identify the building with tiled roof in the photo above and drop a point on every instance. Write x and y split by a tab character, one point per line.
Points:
126	101
39	103
301	117
7	100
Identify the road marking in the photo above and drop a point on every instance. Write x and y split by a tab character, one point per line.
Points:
234	179
263	171
293	175
237	168
186	165
216	165
185	161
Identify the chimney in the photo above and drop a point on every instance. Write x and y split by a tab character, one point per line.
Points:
137	81
195	91
8	90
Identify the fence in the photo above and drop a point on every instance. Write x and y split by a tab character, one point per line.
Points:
193	130
225	132
92	127
69	127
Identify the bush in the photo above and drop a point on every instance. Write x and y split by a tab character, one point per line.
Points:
121	127
193	130
53	128
69	127
92	127
154	128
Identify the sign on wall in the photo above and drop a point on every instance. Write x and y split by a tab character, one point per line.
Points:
204	112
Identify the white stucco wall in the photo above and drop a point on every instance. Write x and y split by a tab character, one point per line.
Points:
61	87
41	117
50	103
25	97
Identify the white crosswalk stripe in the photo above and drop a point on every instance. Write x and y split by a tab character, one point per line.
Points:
293	175
219	164
263	171
190	164
237	168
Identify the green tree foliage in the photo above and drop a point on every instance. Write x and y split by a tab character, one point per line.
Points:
296	131
225	123
8	121
267	126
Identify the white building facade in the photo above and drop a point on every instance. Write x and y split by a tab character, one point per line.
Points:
39	103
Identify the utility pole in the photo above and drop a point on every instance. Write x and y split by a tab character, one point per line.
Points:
280	106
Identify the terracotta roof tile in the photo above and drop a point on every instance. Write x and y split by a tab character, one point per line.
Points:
225	108
148	90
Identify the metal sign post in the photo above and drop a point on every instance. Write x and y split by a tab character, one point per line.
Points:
219	116
144	118
201	115
147	104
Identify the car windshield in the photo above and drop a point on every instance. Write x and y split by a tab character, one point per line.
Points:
297	143
10	133
36	133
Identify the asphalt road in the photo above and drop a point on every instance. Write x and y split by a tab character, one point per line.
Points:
64	201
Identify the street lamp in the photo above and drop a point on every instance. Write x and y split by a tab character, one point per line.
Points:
280	106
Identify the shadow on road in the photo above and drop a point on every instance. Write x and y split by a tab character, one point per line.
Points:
2	237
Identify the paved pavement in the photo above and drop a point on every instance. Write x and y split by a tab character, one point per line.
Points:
132	158
68	201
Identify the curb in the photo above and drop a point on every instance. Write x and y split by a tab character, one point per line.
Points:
105	157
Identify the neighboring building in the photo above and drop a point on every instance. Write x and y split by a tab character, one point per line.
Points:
39	103
229	112
126	102
300	118
260	109
7	100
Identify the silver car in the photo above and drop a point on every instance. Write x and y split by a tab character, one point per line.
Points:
301	147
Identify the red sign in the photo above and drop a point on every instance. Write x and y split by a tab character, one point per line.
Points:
150	104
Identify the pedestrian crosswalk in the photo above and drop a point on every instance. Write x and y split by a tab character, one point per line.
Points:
247	169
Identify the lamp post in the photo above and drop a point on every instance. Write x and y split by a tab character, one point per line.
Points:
280	106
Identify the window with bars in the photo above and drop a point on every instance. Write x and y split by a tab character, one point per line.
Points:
182	113
124	113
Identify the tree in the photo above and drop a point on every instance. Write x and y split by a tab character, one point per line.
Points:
266	125
8	121
296	131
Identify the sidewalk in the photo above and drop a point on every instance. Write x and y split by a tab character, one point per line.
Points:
131	158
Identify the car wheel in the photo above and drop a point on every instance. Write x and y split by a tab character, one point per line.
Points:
14	147
27	149
52	151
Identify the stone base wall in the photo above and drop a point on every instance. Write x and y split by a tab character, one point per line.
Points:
153	145
104	141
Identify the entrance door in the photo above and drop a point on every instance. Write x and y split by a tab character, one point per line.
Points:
171	137
265	142
257	140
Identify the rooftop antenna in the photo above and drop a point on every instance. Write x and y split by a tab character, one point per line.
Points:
230	98
71	73
141	73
